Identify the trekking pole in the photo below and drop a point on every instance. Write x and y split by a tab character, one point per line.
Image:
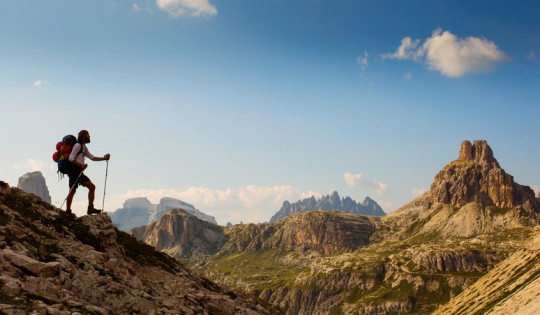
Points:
76	182
105	186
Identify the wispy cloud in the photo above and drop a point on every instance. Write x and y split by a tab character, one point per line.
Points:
354	180
142	8
194	8
40	83
29	164
531	55
450	55
536	189
362	61
388	206
418	191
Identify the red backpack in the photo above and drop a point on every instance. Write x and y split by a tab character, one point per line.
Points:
63	150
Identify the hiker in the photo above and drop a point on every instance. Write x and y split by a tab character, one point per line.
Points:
76	157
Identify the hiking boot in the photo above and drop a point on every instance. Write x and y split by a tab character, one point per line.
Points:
70	214
92	210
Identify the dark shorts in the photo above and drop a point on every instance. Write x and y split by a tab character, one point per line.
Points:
75	179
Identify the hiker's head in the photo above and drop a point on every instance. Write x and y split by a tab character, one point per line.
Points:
83	137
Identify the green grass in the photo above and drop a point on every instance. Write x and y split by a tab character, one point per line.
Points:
259	269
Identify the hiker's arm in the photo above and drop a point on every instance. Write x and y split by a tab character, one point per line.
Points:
105	158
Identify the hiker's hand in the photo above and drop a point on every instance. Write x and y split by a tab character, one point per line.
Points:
107	156
84	166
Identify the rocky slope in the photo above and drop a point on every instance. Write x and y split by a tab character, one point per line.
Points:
53	264
410	261
329	202
140	212
512	287
182	235
34	183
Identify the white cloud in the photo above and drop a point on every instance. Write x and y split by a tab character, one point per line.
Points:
536	189
531	55
40	83
362	61
354	180
418	191
136	8
450	55
407	50
247	203
388	206
194	8
29	164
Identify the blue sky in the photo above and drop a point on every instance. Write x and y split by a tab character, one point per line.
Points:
236	106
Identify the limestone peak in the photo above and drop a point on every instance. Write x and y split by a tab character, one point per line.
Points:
479	152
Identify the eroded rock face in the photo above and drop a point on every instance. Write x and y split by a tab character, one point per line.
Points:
34	183
327	232
479	152
477	177
183	235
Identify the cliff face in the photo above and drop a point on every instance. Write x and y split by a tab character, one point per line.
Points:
34	183
329	202
182	235
52	264
477	177
327	232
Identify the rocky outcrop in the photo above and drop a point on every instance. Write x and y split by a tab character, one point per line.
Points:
51	263
327	232
183	236
455	261
34	183
479	152
329	202
477	177
140	212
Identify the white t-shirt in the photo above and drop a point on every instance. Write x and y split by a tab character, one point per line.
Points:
79	157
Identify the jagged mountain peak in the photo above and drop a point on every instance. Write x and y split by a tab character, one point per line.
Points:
479	152
470	196
329	202
477	177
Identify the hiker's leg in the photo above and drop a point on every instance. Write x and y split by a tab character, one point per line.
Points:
70	197
91	192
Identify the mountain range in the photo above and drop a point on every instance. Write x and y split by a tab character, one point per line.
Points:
469	245
141	212
429	252
329	202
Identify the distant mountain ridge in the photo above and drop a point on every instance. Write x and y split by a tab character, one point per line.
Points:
140	212
329	202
